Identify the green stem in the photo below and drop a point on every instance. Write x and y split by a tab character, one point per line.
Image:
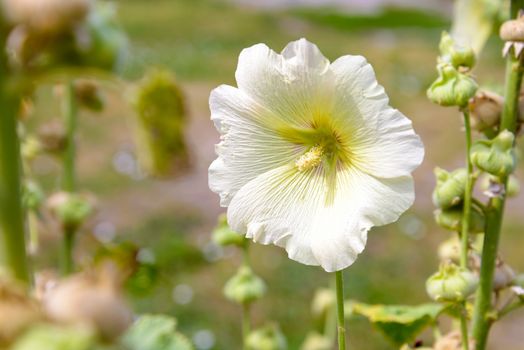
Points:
339	278
511	307
13	255
470	181
246	323
70	120
464	328
494	212
69	175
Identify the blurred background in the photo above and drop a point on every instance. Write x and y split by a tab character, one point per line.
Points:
172	219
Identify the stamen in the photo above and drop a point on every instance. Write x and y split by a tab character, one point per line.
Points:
311	159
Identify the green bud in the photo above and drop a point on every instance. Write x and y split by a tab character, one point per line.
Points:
451	219
32	195
71	209
490	184
496	156
317	341
451	283
244	287
451	87
160	124
267	338
224	236
30	148
450	187
458	56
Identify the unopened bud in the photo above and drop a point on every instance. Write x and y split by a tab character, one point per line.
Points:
70	209
91	301
512	32
457	55
323	301
492	187
451	219
224	236
496	156
269	337
244	287
451	88
451	283
485	108
449	250
30	148
317	341
450	187
504	276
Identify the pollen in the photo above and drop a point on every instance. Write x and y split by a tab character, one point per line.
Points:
311	159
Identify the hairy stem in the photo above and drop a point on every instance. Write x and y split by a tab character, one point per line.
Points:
495	210
340	310
13	254
470	181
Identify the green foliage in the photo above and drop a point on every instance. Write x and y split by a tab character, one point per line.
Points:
161	121
155	332
399	323
52	337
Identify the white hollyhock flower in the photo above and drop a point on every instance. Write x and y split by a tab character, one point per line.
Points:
311	154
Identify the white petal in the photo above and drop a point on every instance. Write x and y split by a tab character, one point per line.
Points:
291	84
381	138
248	146
291	209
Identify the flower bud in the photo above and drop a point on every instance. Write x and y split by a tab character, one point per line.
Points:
449	250
451	283
512	32
244	287
485	109
316	341
224	236
88	95
32	195
457	55
491	186
71	209
496	156
89	300
451	219
267	338
161	120
450	187
46	15
504	276
451	87
324	300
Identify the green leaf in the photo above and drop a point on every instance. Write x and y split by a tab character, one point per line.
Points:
399	323
52	337
154	332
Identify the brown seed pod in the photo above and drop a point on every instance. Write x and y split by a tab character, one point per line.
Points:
486	109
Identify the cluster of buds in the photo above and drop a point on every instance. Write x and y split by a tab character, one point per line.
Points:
454	85
50	33
451	284
161	121
244	287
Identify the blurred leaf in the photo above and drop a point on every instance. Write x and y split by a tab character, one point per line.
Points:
155	332
51	337
399	323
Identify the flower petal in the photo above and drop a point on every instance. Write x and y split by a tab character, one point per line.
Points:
248	147
291	84
290	209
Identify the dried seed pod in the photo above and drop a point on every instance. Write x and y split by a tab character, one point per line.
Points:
485	108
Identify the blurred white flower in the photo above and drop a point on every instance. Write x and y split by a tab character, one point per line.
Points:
311	154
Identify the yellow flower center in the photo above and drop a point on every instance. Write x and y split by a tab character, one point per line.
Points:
311	159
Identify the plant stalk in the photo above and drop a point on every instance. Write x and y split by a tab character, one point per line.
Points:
69	172
470	182
13	255
464	328
339	278
482	318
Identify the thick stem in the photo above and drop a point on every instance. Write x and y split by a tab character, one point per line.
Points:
340	310
495	210
69	173
13	254
466	216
